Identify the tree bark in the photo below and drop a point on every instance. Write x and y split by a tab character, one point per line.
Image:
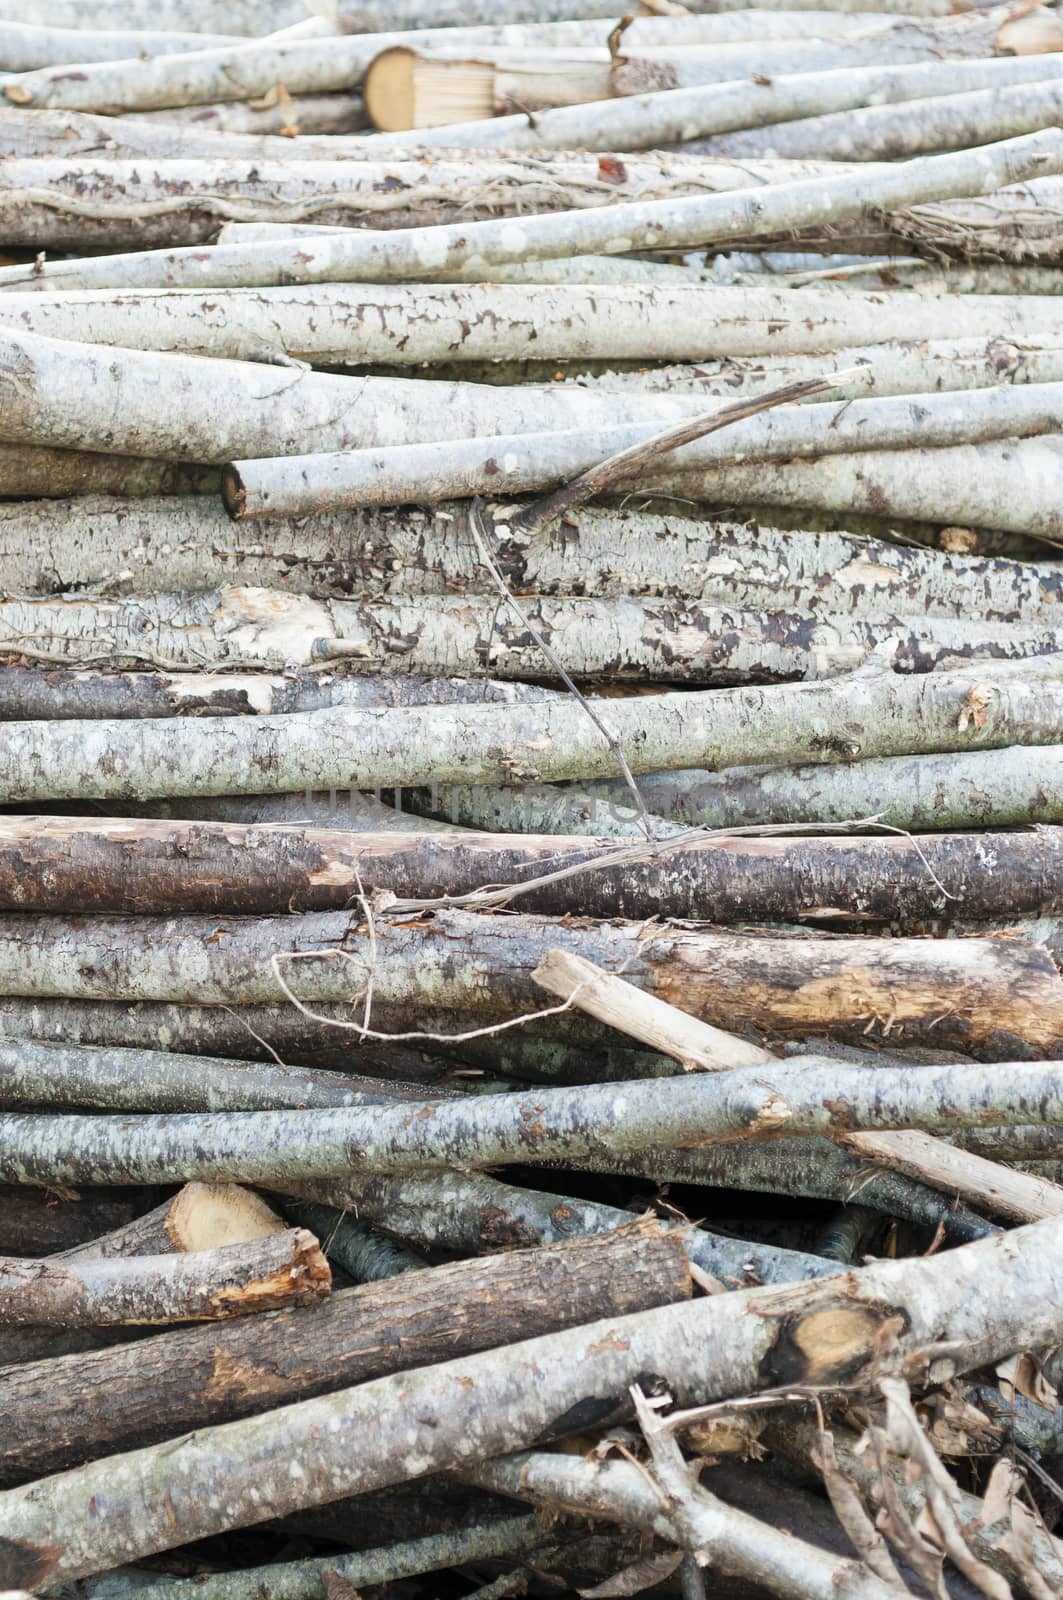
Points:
280	1269
811	1095
873	713
27	46
164	545
88	865
215	16
201	1216
37	1222
198	1377
617	230
298	484
980	1303
973	789
607	640
34	471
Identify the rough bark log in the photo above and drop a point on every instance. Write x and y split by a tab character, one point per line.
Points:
607	640
297	484
972	789
867	714
126	1079
37	470
980	1303
201	1216
280	1269
334	325
811	1095
88	865
36	1222
715	219
201	1376
964	485
155	545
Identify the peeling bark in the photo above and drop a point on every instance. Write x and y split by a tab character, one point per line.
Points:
871	713
198	1377
55	865
979	1303
617	230
279	1269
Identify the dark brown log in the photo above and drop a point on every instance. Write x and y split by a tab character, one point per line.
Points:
279	1269
201	1216
58	1413
41	1222
138	865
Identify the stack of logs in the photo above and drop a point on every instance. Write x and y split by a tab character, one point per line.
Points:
531	764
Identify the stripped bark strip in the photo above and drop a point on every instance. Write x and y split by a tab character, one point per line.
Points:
217	1374
92	865
864	715
280	1269
811	1096
993	996
998	1296
618	230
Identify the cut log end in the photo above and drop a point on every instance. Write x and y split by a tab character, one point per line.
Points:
206	1215
389	90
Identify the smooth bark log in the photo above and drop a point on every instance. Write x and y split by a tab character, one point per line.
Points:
872	713
199	1377
607	640
38	470
280	1269
973	789
808	1096
216	16
364	1253
26	46
91	865
979	1303
155	545
618	230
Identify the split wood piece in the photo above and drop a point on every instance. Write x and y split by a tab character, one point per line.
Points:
967	484
871	713
92	865
247	17
972	789
884	133
96	1078
26	46
305	65
36	1222
278	1269
672	116
989	996
742	1546
989	1533
34	471
811	1095
531	462
165	545
695	1046
201	1216
408	324
991	1298
197	1377
617	230
27	693
603	641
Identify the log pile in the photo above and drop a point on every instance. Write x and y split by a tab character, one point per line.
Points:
531	799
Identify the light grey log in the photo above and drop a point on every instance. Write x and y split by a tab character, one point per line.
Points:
297	484
356	16
979	485
319	117
610	640
335	325
964	789
26	46
992	1298
616	230
896	133
867	714
195	16
170	544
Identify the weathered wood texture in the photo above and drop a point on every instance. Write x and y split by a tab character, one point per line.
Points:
38	1222
198	1377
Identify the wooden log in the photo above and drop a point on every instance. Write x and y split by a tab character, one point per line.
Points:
26	46
867	714
38	470
280	1269
92	865
617	230
198	1377
994	1297
36	1222
154	545
215	16
600	640
201	1216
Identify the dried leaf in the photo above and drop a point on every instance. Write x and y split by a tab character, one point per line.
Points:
974	711
611	170
1022	1374
632	1580
1001	1503
337	1587
866	1539
1030	31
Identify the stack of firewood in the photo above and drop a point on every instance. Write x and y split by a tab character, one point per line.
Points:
531	755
